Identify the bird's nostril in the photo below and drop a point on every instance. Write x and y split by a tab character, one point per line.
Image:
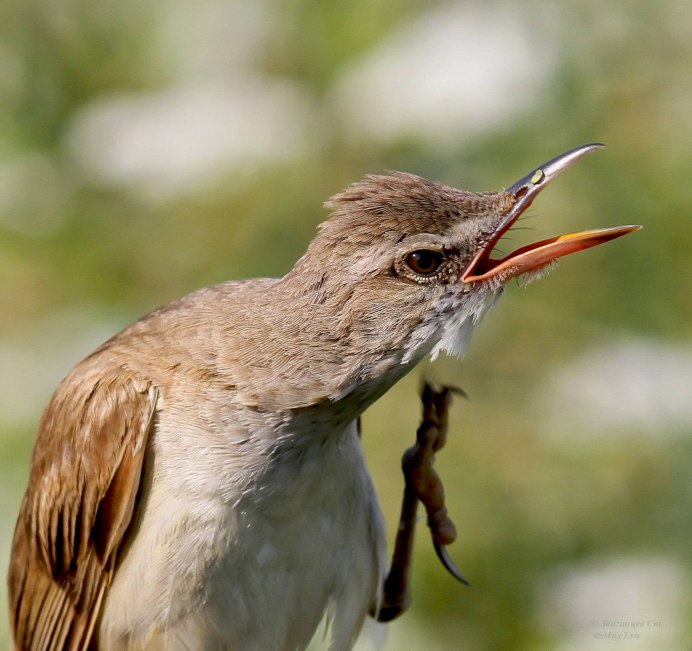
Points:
521	192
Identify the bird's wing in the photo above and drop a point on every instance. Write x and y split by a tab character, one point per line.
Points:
83	486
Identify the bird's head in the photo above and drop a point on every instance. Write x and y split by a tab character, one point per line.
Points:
406	266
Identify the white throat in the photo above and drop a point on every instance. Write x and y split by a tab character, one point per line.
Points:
457	329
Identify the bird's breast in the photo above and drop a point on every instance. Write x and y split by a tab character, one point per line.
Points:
250	543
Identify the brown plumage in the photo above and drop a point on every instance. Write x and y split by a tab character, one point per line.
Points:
198	482
84	481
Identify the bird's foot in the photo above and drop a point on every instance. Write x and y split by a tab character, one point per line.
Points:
422	478
422	484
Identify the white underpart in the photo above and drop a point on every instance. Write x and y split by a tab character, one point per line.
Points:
220	567
454	334
456	330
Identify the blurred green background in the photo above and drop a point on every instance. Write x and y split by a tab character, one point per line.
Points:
149	147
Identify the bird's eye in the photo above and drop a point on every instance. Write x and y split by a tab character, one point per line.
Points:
424	261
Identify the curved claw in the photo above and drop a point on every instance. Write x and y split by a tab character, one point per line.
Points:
448	563
452	388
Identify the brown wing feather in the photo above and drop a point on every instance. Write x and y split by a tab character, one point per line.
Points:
83	485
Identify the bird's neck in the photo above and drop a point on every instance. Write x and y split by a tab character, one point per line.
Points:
313	343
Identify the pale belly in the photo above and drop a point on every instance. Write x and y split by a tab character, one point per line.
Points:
258	570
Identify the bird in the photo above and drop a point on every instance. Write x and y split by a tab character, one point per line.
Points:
198	481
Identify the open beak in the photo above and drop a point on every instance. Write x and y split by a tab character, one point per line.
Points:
537	255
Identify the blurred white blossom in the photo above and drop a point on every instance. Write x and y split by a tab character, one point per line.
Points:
453	72
623	603
165	142
630	386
